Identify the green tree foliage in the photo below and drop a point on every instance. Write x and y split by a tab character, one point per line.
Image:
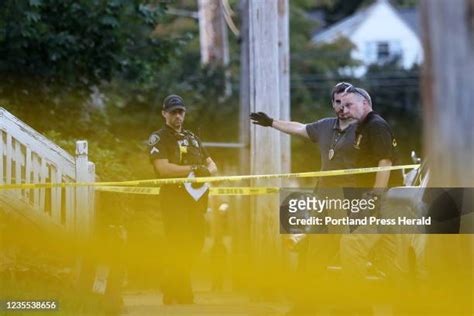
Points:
406	3
395	94
63	63
80	42
313	67
314	70
54	54
339	9
98	70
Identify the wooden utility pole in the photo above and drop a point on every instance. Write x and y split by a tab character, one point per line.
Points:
213	33
284	82
265	150
284	68
244	125
264	86
448	108
448	94
213	37
241	214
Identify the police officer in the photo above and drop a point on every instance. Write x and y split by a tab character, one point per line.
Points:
335	138
334	135
376	147
176	152
375	143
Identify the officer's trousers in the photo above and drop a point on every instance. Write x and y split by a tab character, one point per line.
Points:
184	226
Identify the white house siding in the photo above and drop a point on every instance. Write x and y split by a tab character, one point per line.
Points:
384	25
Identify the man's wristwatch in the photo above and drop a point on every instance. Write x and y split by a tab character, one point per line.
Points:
194	168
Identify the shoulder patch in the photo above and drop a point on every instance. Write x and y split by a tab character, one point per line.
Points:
153	140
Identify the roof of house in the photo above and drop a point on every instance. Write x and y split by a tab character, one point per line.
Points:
348	25
412	18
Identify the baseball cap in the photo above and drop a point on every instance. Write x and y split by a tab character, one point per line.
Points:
173	102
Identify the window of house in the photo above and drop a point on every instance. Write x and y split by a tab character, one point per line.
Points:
383	51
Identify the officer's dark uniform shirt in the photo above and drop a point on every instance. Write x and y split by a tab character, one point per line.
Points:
181	148
374	141
328	135
183	216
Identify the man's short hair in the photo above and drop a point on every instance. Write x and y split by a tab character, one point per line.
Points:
365	95
339	88
350	88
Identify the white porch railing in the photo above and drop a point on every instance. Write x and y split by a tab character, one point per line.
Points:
28	157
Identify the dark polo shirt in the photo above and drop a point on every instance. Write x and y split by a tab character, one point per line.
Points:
325	132
181	148
374	141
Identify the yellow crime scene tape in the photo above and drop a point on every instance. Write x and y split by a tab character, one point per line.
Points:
158	182
212	191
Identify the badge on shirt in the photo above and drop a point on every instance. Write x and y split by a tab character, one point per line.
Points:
331	154
357	143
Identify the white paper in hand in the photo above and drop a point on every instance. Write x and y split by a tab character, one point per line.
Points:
195	193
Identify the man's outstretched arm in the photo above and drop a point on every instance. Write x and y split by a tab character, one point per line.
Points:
288	127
